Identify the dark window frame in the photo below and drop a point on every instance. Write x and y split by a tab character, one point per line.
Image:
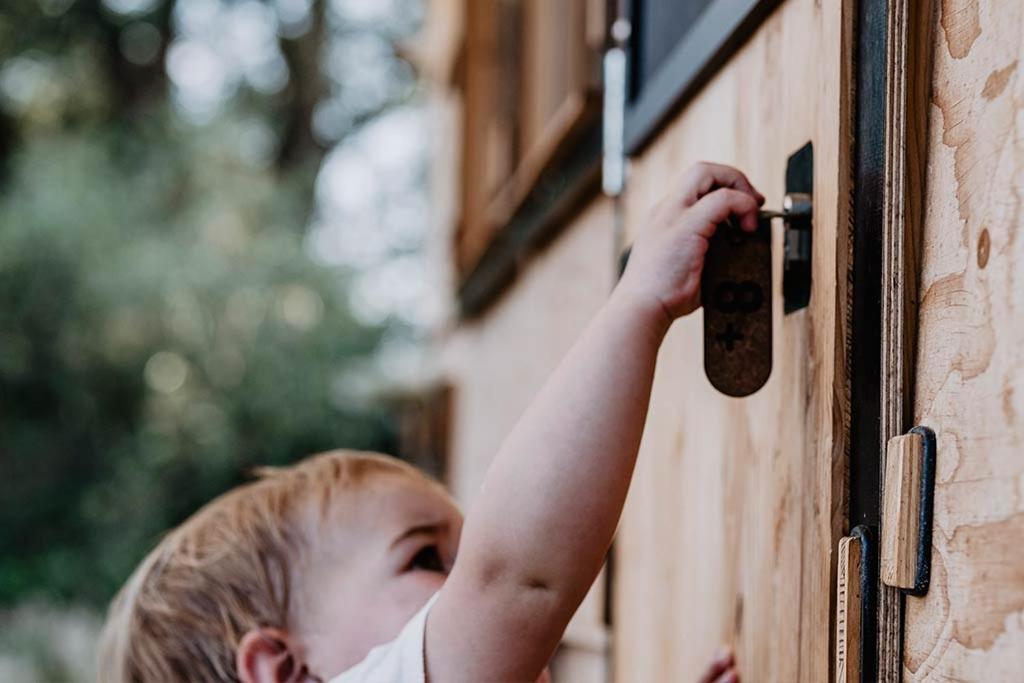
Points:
719	31
565	187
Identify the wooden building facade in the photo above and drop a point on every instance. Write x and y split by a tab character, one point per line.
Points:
915	117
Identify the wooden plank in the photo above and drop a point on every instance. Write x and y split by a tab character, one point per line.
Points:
556	62
737	505
531	87
485	145
848	611
969	362
575	113
901	511
560	79
908	81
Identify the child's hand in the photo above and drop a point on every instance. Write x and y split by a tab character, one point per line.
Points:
722	670
667	258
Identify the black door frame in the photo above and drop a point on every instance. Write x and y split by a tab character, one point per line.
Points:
865	352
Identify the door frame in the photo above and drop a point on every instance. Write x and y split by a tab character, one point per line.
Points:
865	359
908	97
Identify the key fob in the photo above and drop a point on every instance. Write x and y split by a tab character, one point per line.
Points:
736	293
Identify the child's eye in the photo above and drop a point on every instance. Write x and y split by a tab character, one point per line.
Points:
427	559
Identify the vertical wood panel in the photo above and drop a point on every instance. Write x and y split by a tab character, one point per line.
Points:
482	169
848	611
908	82
738	504
969	367
900	538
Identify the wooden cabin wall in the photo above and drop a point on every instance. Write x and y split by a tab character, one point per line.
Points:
969	373
498	362
737	505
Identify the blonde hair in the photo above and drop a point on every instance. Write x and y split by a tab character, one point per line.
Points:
224	572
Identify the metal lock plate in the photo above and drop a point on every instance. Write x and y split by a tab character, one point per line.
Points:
797	212
736	293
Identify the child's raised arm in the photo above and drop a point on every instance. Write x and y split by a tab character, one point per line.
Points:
540	528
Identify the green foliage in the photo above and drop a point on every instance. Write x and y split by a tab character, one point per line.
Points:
162	330
162	327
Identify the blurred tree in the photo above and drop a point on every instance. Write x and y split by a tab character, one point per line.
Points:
151	349
162	326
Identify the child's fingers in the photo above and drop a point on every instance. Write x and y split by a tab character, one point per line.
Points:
729	676
716	207
706	176
722	665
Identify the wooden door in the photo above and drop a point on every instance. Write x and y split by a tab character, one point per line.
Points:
730	530
964	374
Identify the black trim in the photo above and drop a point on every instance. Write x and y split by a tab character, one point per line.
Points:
717	34
865	354
797	244
923	568
560	190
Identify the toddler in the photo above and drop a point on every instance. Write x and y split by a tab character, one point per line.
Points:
352	567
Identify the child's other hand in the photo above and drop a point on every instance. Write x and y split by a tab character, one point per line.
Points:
668	256
722	669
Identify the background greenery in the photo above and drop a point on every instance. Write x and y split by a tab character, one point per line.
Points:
164	324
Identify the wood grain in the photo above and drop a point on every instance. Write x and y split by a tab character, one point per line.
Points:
737	506
848	611
908	57
969	366
901	511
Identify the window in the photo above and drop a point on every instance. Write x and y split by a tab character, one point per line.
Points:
659	26
530	85
675	47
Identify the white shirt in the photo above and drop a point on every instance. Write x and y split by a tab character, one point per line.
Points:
400	661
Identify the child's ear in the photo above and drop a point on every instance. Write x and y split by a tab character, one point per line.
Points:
268	655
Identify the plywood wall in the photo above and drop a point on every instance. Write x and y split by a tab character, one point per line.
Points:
737	506
970	356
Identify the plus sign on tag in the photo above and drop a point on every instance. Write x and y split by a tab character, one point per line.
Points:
730	337
736	292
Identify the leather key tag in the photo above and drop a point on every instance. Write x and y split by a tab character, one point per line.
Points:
736	293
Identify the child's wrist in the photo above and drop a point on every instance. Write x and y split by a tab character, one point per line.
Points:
646	312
